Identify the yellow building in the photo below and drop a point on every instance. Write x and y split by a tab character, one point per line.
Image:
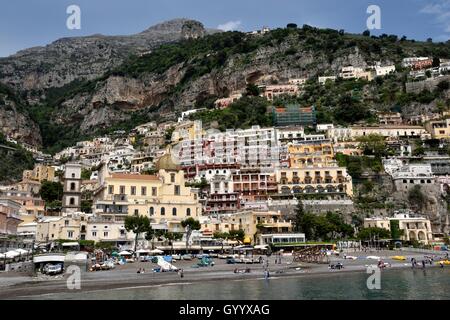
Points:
40	173
255	223
329	180
439	129
311	153
188	130
163	197
71	226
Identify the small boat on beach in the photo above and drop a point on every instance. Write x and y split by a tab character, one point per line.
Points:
373	258
399	258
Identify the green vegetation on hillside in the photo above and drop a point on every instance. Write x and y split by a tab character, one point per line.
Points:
13	160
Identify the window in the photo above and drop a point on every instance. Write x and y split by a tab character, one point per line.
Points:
122	189
72	186
177	190
69	234
154	191
152	211
172	177
133	190
174	211
73	175
136	212
105	234
72	201
110	189
144	191
188	211
94	233
163	211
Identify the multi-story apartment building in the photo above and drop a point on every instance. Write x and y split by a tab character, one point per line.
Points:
390	118
351	72
271	92
32	206
69	226
40	173
254	184
258	223
295	134
333	181
187	130
222	198
415	228
310	154
392	131
251	147
163	197
9	217
439	129
323	80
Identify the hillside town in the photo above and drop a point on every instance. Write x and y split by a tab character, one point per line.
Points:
252	179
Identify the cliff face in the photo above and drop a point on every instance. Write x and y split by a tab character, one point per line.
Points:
36	71
14	121
91	83
86	58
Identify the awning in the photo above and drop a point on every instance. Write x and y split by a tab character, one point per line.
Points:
22	251
70	244
12	254
262	247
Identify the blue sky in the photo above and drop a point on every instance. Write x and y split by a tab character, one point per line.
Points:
27	23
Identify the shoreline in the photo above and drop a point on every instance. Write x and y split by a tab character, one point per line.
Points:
125	277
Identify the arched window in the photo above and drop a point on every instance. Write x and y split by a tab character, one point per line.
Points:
174	211
152	211
188	211
72	201
72	186
163	211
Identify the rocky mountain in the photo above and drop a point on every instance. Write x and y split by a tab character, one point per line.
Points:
86	58
81	86
14	119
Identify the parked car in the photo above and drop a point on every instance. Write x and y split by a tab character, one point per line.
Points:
231	261
214	255
186	257
222	256
53	269
176	256
247	261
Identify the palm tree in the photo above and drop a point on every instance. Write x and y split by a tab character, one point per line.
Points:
190	224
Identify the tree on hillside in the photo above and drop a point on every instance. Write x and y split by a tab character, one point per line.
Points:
51	191
373	144
299	215
190	224
138	225
416	197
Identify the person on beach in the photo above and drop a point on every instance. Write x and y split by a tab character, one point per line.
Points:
423	264
182	273
139	271
441	263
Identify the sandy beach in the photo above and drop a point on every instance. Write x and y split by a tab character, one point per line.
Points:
17	286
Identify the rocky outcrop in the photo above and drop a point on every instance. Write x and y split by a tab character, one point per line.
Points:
14	123
86	58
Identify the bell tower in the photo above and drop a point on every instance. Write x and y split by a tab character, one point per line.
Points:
71	201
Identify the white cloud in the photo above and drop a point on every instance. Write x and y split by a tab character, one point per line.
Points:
440	9
229	26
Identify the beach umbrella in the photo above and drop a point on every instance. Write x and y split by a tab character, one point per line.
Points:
2	256
157	251
142	251
12	254
115	254
125	253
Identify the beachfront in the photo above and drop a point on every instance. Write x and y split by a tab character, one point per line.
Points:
15	286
